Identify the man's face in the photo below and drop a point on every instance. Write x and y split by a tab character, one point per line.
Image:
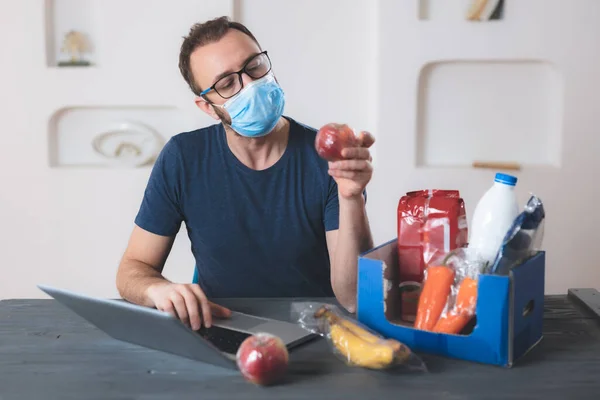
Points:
211	62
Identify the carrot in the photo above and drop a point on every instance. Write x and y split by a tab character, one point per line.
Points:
434	295
466	298
463	311
452	323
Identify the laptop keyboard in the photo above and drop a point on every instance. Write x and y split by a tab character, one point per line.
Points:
226	340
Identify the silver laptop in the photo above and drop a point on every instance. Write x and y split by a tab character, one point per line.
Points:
159	330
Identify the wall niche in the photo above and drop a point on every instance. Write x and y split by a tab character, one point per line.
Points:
487	111
71	33
109	137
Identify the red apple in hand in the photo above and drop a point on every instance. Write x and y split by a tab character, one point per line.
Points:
332	139
263	358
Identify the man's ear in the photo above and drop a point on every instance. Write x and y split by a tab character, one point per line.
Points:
206	107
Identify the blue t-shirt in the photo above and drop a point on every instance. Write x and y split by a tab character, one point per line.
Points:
253	233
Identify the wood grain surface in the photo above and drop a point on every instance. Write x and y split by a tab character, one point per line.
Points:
47	352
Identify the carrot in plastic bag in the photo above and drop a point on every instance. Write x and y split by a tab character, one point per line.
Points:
466	299
434	295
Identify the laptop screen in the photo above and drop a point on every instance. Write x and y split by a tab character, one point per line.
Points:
226	340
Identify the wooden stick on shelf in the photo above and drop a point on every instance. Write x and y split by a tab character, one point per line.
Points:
513	166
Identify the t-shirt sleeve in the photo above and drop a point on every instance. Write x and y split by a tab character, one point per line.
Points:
332	207
160	211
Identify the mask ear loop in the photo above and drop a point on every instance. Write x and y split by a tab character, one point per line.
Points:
269	76
207	101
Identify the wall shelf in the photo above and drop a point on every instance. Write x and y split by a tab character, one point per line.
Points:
473	10
491	111
62	17
106	137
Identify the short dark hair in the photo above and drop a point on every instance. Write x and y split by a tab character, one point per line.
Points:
200	35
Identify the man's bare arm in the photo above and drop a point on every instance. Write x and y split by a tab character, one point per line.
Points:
140	281
345	244
354	234
142	265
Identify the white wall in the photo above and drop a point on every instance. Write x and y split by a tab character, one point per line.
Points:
552	30
338	60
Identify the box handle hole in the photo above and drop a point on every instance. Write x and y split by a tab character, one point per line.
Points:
528	308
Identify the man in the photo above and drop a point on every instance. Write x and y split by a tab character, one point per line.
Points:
265	215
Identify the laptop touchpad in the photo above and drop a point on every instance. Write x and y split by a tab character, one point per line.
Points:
240	321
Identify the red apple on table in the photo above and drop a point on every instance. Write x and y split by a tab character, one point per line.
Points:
262	359
332	138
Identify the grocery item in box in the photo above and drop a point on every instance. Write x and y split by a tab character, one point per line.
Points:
493	216
430	223
523	239
449	296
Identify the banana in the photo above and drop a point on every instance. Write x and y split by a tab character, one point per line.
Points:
359	352
354	328
359	346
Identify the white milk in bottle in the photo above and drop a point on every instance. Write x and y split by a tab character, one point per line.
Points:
493	216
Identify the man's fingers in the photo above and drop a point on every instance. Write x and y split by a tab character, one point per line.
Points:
350	165
191	302
180	307
220	311
168	307
354	175
344	174
357	153
366	139
204	305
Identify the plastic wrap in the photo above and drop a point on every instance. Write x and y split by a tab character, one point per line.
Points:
449	296
352	342
523	239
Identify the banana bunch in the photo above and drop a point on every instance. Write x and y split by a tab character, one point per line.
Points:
360	347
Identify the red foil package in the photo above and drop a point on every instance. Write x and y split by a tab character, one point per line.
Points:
430	223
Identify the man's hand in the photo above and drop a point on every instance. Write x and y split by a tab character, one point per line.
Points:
186	302
354	173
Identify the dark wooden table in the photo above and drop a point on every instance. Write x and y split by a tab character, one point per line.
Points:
47	352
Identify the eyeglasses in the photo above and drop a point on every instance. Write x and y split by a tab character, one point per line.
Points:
231	84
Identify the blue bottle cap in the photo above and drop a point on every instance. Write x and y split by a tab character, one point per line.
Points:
506	179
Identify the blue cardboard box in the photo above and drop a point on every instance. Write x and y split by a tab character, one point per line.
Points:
509	311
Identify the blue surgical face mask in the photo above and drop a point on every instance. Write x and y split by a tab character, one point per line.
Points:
257	108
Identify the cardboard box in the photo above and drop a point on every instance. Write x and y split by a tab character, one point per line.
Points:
509	312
